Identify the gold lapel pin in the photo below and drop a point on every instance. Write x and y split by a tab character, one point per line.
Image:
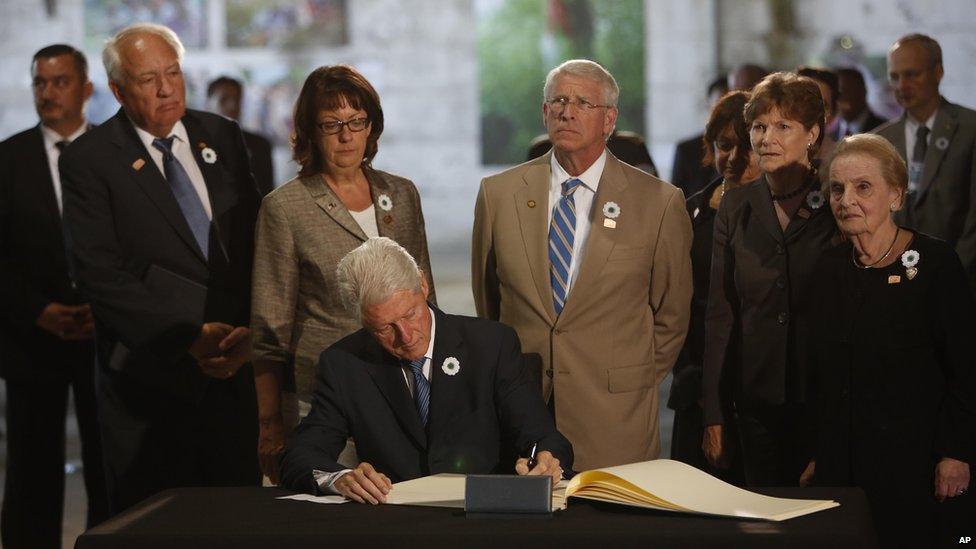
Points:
202	145
609	223
138	164
531	203
804	213
894	279
387	219
331	205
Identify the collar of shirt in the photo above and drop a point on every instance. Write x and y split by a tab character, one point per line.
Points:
52	138
854	126
179	130
911	129
590	177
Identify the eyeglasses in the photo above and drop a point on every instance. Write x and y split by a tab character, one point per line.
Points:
558	104
332	127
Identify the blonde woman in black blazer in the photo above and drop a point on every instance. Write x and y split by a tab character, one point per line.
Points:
304	228
768	236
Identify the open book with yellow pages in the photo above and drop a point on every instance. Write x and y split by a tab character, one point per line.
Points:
668	485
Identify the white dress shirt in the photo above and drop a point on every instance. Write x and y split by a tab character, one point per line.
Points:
367	221
583	199
327	480
51	140
184	153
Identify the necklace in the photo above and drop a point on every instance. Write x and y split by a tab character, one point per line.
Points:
791	194
885	256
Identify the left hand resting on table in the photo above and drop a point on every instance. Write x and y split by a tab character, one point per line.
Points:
951	478
546	464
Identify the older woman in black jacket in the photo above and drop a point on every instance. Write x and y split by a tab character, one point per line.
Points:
768	236
892	376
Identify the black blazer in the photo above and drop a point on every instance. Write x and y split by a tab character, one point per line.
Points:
262	165
686	385
758	291
33	267
121	218
361	392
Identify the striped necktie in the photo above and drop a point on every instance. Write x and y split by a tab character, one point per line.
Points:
421	388
562	232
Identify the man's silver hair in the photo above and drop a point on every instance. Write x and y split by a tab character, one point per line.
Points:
584	68
111	55
373	272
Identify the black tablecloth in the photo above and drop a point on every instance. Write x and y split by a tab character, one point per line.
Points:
187	518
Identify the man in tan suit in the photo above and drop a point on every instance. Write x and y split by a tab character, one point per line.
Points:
588	259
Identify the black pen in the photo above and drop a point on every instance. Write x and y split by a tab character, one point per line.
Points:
532	462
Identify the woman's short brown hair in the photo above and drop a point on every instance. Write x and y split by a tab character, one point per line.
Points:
728	112
797	98
893	169
329	88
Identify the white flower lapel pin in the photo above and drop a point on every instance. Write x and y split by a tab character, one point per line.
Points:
815	200
942	143
384	202
451	366
611	211
209	155
909	259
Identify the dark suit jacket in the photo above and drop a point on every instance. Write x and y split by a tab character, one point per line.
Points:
33	267
262	165
688	173
121	219
758	294
361	393
871	122
945	205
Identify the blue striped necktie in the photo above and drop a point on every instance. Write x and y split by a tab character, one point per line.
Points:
186	196
562	232
421	388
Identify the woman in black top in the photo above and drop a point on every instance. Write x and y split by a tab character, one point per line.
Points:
893	374
768	236
726	145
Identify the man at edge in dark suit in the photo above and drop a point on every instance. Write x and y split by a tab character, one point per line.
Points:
46	326
421	392
159	210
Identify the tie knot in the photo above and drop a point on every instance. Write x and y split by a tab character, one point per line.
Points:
164	145
922	132
61	145
418	365
570	186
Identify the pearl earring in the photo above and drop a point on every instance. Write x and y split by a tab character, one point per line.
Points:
893	206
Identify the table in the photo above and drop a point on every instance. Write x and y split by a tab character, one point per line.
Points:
240	518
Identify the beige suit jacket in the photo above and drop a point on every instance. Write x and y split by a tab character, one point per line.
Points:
625	318
303	231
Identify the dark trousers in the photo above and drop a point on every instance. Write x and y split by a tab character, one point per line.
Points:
154	442
33	494
686	445
774	449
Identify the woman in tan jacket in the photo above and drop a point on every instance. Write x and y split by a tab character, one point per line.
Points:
304	228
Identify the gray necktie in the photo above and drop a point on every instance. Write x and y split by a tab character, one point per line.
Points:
186	196
421	388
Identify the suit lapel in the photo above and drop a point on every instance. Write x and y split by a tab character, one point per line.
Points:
532	205
44	184
762	205
222	195
140	165
600	241
327	200
944	127
387	374
896	135
447	395
388	223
